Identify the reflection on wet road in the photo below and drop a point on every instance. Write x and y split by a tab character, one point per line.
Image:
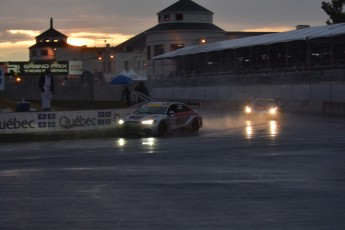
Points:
251	129
147	143
269	128
234	174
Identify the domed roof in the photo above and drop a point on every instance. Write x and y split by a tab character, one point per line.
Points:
185	6
51	33
185	27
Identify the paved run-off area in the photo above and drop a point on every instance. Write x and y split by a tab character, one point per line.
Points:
235	174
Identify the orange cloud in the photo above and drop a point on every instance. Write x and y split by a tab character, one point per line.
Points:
19	50
270	29
96	39
31	33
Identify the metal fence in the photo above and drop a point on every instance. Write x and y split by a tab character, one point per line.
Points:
297	77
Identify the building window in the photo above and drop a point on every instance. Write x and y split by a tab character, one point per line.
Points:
176	46
166	17
99	55
158	50
128	49
126	65
179	17
148	53
110	66
33	53
44	52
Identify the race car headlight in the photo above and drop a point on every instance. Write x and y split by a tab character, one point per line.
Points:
120	122
273	110
248	109
148	122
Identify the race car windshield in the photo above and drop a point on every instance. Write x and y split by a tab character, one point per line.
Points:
151	109
265	103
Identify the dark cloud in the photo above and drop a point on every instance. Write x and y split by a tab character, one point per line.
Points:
6	36
267	13
131	17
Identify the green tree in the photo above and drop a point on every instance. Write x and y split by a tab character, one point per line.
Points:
334	9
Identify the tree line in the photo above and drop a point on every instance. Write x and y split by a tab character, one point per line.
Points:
334	9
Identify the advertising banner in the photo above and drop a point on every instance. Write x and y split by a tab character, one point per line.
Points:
75	68
37	122
35	68
58	68
2	77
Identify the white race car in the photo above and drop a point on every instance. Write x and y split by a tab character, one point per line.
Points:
159	119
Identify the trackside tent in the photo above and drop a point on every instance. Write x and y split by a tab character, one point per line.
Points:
267	39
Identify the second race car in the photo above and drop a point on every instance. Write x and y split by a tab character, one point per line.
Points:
263	107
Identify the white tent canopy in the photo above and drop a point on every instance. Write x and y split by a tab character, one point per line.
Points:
266	39
133	75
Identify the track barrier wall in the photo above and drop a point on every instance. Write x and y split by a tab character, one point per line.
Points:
59	121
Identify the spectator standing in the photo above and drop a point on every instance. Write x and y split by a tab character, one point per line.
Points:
126	97
47	87
141	88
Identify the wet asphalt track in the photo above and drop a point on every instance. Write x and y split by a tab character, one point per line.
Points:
235	174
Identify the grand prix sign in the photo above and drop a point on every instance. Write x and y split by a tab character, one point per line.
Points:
38	68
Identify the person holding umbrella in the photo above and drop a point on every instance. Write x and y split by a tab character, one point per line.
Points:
126	92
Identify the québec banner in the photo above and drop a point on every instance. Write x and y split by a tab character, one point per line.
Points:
36	122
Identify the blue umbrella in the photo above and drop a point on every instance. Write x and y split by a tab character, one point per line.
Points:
121	80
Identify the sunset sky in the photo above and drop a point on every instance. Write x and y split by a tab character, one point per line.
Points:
94	23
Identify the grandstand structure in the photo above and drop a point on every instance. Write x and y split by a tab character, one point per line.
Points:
311	49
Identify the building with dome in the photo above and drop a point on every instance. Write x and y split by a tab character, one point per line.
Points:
182	24
185	56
